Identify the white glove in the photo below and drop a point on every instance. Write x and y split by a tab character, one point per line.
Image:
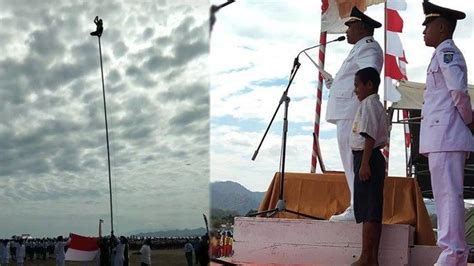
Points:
329	82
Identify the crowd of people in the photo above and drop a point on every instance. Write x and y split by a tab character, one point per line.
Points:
221	244
19	250
113	251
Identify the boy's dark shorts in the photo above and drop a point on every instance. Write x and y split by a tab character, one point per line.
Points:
368	195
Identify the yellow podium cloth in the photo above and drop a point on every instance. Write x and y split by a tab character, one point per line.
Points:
322	195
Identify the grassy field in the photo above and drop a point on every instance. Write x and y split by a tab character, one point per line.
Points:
169	257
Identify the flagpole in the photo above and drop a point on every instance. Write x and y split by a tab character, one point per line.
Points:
319	96
107	138
98	33
386	149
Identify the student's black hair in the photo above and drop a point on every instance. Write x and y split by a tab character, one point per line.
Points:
369	74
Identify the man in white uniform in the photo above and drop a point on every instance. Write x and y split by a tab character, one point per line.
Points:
20	253
59	251
343	103
444	135
4	252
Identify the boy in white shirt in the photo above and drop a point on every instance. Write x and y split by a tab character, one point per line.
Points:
369	135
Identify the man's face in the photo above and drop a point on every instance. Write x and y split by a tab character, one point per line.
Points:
354	32
431	33
362	90
437	30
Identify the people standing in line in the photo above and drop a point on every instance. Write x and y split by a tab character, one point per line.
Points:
104	250
196	244
30	249
369	136
118	252
13	245
188	252
126	257
44	248
342	102
20	252
204	250
59	251
445	137
4	252
228	245
145	252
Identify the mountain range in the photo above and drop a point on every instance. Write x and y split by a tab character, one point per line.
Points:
226	198
232	196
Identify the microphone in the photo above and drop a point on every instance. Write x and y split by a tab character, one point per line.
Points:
296	61
341	38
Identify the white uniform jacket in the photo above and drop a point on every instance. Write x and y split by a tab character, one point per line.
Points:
447	107
343	102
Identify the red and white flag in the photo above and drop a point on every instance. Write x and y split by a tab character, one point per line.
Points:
82	248
335	12
395	59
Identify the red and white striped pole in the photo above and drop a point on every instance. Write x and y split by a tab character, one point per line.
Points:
319	96
386	149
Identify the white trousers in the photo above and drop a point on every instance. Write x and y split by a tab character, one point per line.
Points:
344	131
447	181
60	262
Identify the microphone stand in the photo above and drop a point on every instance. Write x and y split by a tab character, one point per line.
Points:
280	206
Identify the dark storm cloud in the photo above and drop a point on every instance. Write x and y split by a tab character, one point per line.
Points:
45	43
114	76
197	92
120	49
53	192
67	160
148	33
188	41
189	119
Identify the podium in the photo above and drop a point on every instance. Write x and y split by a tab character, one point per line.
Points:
280	241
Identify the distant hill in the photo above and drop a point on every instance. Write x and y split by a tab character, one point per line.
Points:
232	196
172	233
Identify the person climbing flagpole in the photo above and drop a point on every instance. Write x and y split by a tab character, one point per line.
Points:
98	32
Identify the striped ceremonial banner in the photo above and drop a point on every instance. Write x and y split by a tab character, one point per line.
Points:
319	96
395	61
333	13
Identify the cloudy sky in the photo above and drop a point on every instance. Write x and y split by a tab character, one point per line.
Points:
53	174
252	49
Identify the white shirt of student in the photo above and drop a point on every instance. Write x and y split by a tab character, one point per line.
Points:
371	119
59	250
146	254
342	102
118	257
20	253
4	253
188	247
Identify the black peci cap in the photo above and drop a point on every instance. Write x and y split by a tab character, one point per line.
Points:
433	11
357	15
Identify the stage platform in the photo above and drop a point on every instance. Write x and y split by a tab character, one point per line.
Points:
279	241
